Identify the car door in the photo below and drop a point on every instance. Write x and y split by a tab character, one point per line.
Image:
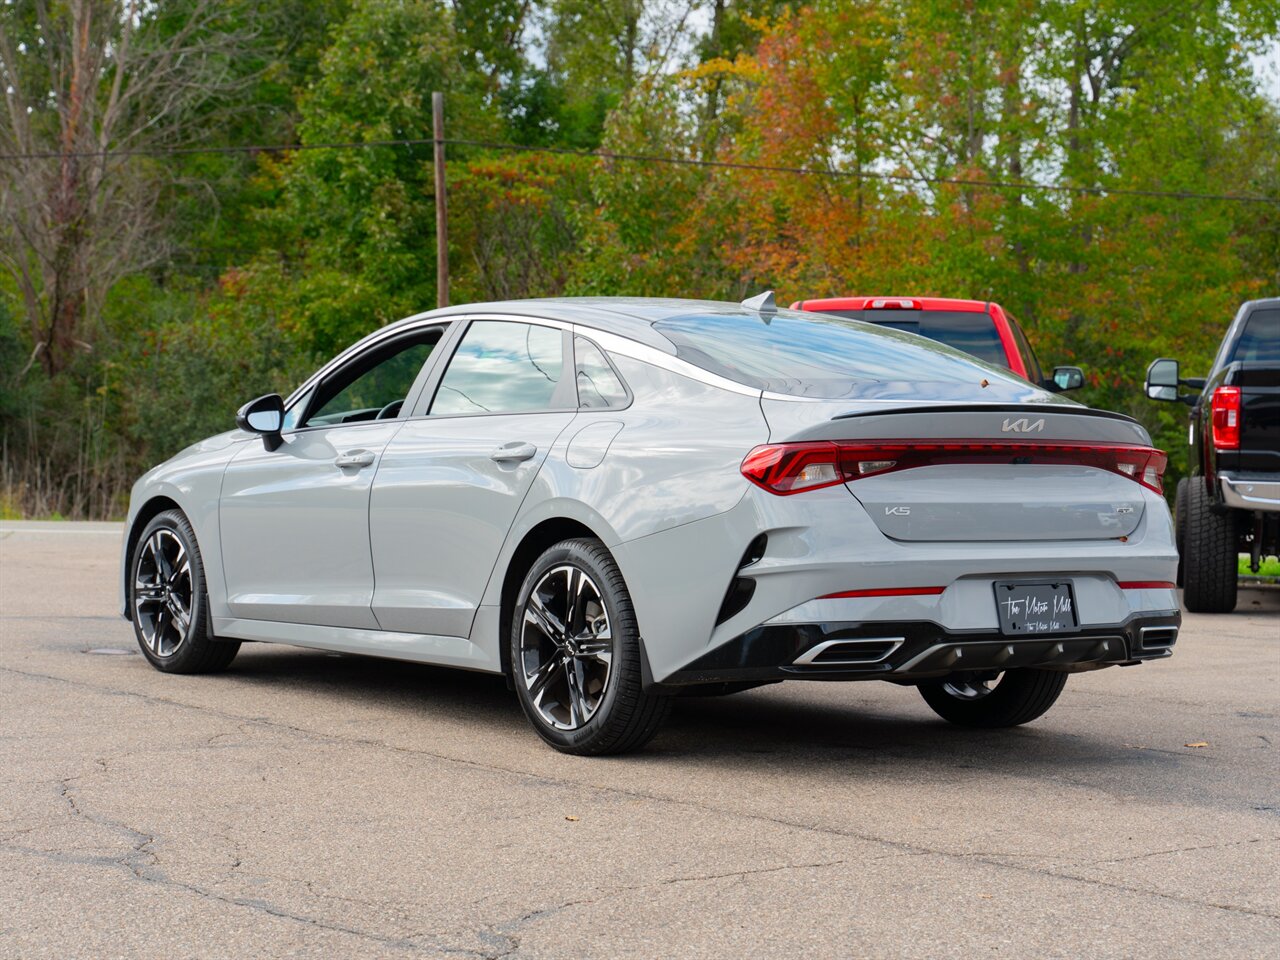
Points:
451	481
294	520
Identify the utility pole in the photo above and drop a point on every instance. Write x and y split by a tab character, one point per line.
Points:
442	205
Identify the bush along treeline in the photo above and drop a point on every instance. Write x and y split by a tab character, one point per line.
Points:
1075	160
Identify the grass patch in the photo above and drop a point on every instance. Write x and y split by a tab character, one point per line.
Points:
1270	568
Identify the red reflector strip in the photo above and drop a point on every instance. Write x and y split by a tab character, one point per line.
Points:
885	592
1147	585
790	468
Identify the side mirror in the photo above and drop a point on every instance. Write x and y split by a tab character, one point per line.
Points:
1162	380
1068	378
264	416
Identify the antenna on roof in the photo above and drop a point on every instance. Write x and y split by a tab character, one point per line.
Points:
762	304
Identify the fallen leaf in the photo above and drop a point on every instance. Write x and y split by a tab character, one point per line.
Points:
1196	743
572	819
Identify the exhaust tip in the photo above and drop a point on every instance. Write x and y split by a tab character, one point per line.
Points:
833	653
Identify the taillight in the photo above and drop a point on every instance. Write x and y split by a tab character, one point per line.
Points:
787	468
1226	418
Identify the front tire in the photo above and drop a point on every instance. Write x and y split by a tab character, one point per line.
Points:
1019	697
168	600
1211	564
575	654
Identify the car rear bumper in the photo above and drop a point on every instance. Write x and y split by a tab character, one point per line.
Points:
909	651
1243	493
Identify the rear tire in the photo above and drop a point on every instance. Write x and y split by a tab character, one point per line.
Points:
169	602
575	654
1019	697
1180	524
1211	562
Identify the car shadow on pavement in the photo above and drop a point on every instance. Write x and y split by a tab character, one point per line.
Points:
780	726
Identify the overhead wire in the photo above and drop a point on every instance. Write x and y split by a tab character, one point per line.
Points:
657	159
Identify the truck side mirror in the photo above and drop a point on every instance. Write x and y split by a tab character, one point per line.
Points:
1068	378
1162	380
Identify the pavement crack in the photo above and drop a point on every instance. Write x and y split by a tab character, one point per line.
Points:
746	873
898	845
1188	849
143	864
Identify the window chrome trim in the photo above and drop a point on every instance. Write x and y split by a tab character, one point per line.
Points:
614	343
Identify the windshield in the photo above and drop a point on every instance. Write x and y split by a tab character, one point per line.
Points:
829	357
965	330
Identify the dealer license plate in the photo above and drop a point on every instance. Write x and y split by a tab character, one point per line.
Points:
1036	607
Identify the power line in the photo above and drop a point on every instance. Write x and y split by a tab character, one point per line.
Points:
870	175
1025	186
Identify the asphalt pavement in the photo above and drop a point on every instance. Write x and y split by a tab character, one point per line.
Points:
310	805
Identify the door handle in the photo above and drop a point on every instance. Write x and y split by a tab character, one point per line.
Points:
355	458
516	450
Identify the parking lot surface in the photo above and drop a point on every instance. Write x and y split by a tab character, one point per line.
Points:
305	804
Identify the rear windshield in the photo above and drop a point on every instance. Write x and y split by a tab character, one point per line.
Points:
973	333
824	356
1260	338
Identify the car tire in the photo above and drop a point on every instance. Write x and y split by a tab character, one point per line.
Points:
1019	696
1210	566
169	602
576	666
1180	523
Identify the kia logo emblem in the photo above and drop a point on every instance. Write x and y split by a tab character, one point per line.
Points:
1023	425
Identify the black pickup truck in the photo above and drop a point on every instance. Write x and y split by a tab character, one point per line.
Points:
1230	502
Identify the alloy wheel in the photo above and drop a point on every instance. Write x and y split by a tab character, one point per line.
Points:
971	688
163	594
566	647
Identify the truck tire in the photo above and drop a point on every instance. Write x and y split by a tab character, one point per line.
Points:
1180	523
1211	561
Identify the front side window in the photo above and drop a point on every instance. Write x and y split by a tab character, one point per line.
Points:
375	385
598	385
503	367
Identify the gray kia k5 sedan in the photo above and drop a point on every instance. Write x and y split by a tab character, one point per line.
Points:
614	501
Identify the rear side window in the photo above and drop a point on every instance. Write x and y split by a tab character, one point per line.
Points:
1260	338
822	356
598	385
973	333
503	367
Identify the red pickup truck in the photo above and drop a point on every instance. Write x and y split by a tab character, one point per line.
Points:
978	327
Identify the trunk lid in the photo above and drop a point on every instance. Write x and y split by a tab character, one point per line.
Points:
1003	472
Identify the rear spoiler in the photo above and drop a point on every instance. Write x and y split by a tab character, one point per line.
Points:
1025	409
973	421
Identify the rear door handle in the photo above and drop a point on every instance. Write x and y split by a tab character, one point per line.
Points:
355	458
516	450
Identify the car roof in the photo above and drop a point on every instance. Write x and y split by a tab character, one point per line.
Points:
631	317
861	303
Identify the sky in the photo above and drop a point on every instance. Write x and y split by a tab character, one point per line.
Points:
1267	67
